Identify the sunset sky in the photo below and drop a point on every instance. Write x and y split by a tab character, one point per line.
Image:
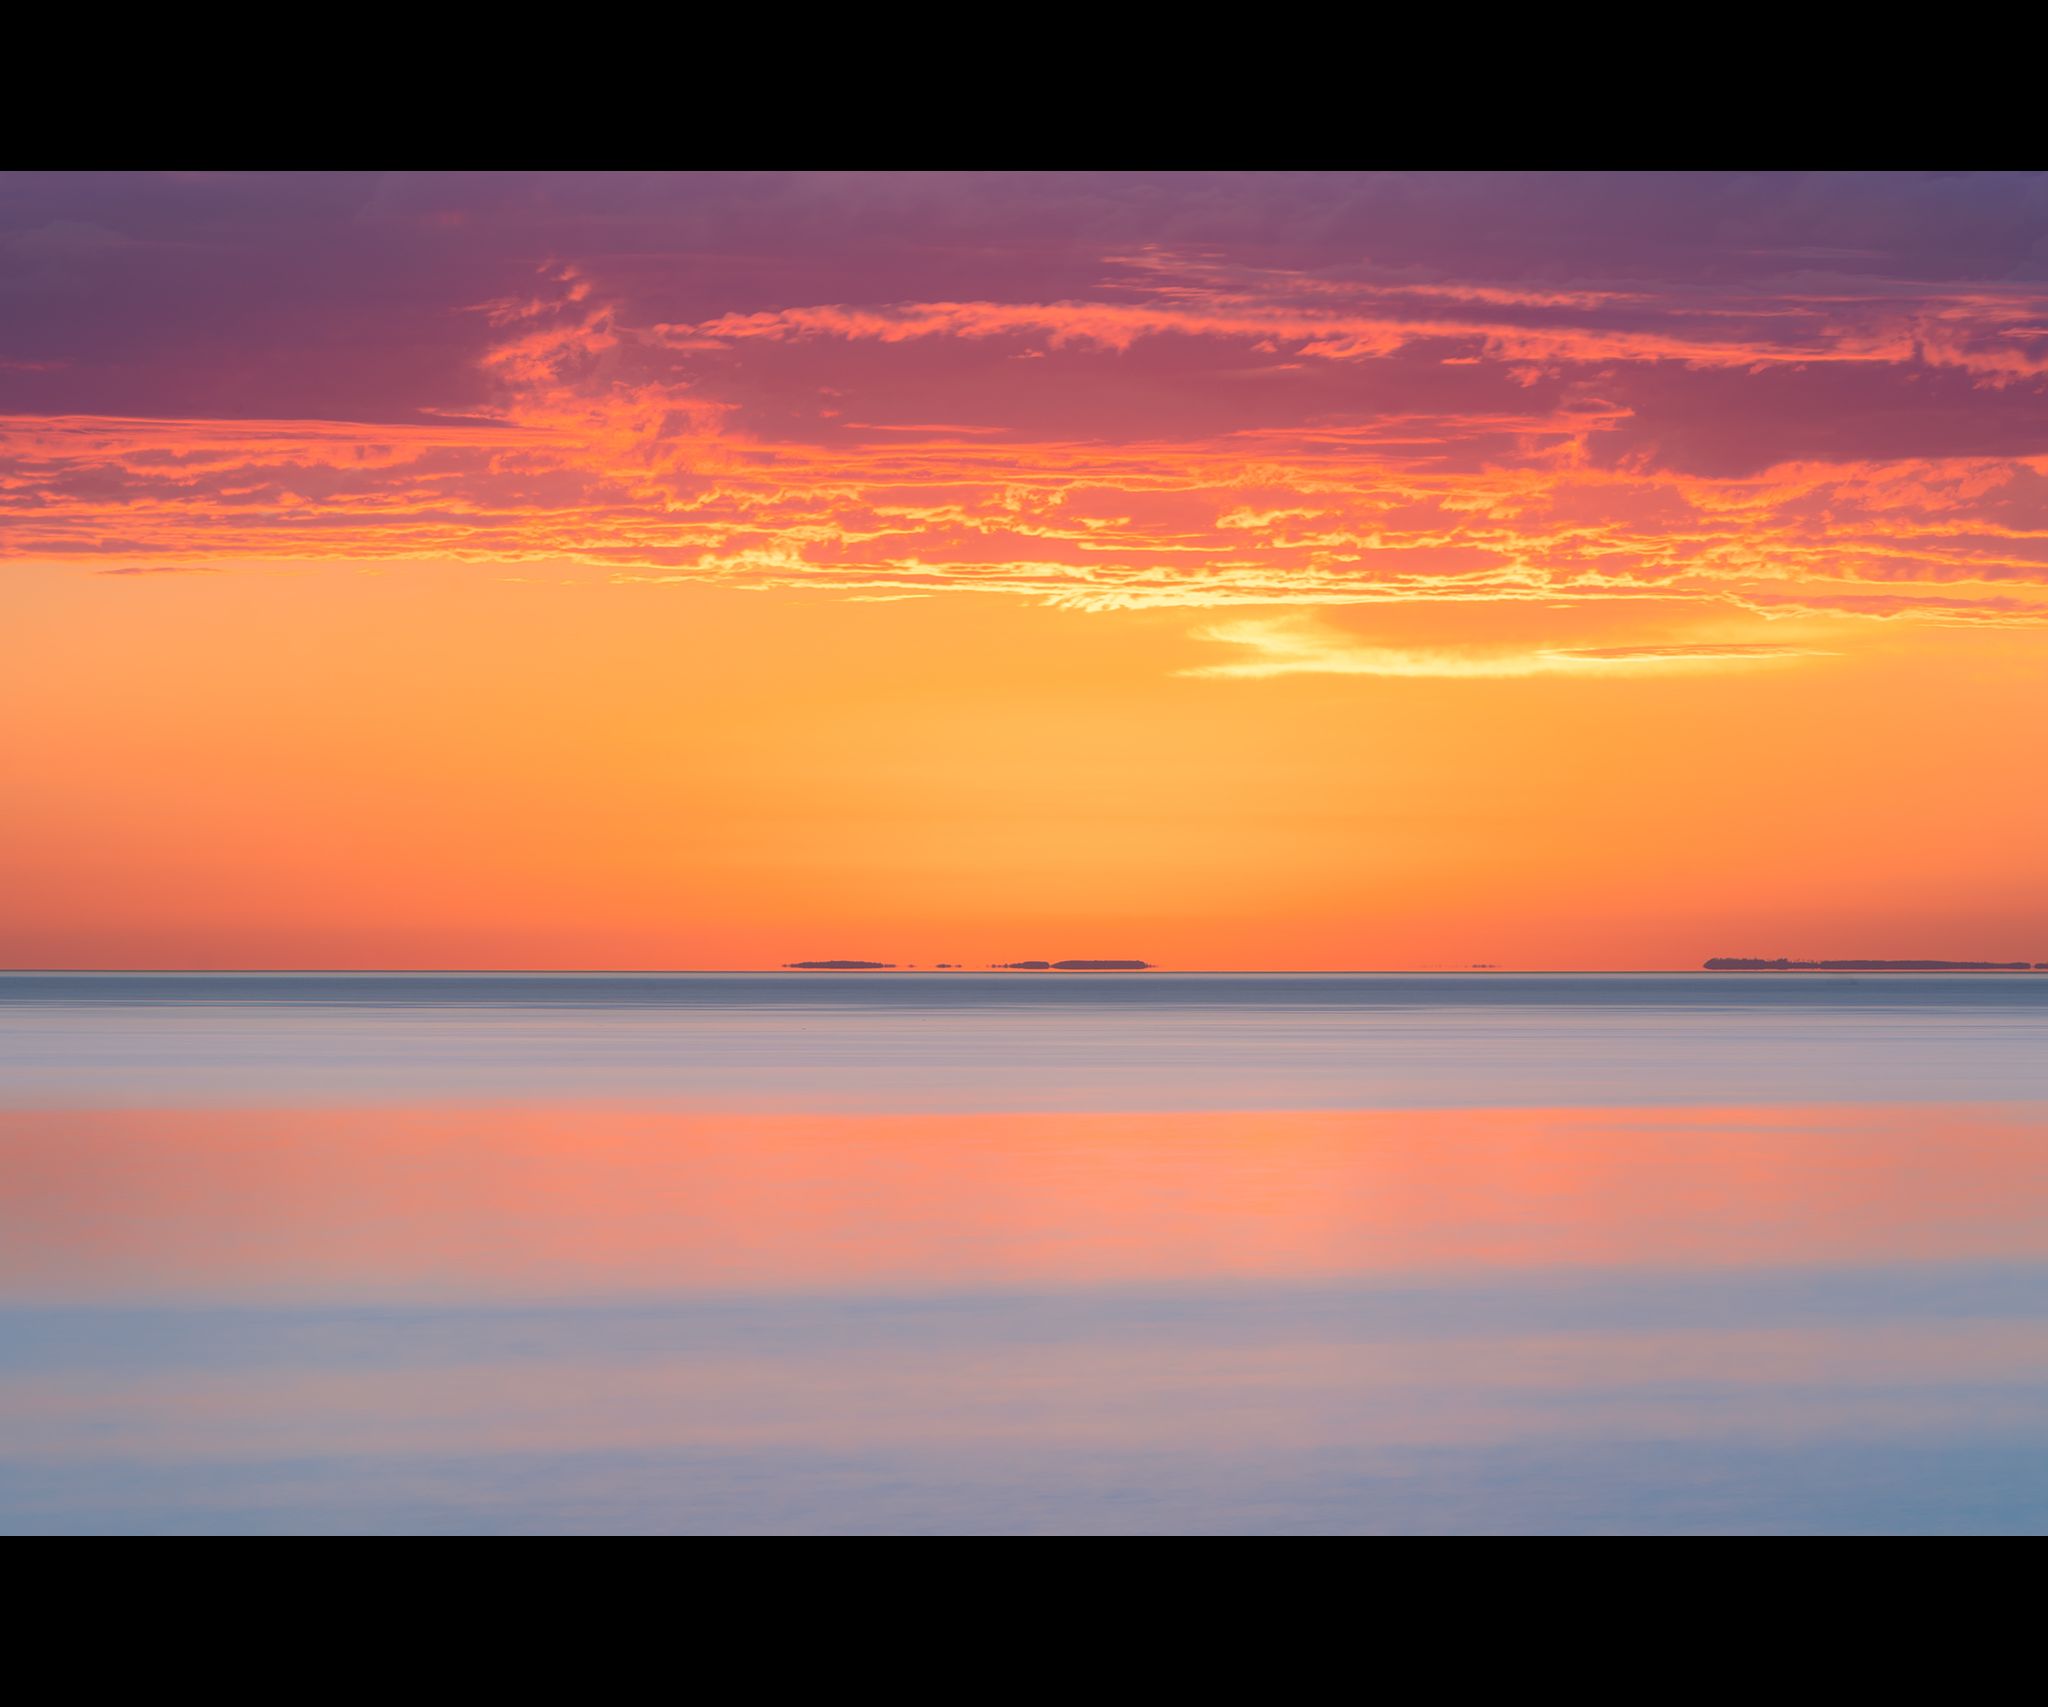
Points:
1229	571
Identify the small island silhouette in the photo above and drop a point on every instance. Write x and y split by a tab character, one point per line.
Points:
955	966
1072	966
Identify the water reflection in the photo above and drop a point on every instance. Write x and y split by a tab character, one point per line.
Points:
323	1271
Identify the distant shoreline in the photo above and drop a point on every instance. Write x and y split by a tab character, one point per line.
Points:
1874	966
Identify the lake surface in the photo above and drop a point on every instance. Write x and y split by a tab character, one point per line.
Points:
1023	1252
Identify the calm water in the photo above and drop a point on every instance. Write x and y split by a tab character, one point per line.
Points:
1023	1252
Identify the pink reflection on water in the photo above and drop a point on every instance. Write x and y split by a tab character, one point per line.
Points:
582	1199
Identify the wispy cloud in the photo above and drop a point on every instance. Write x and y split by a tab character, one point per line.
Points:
1300	646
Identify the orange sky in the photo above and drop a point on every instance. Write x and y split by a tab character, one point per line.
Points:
664	572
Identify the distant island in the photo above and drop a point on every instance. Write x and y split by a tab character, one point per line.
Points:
1072	966
1875	966
955	966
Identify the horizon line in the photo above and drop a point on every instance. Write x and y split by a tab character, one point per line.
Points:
695	971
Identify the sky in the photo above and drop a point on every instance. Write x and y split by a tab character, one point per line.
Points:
1258	570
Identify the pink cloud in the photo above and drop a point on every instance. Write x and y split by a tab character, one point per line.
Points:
1326	392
